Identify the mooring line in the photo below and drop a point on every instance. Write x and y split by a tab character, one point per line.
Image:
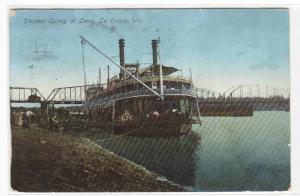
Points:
113	137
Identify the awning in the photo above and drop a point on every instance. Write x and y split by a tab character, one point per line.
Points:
166	70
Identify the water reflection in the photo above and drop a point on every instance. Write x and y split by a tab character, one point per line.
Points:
173	158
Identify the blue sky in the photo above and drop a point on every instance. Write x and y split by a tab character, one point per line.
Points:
223	47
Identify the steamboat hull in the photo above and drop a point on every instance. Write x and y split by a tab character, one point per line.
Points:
146	116
156	126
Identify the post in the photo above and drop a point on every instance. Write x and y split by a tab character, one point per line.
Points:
137	74
44	113
113	117
191	78
80	91
240	92
100	75
137	69
161	82
196	97
107	75
198	110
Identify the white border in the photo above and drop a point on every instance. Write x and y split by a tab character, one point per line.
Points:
295	82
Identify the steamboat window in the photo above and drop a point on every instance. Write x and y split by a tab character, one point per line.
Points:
173	105
167	106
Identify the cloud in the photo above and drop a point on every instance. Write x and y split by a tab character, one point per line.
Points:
41	51
260	66
241	53
45	56
110	28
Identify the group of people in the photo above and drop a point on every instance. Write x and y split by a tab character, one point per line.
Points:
27	120
53	123
24	118
59	120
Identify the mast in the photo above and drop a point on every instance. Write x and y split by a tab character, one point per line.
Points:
84	75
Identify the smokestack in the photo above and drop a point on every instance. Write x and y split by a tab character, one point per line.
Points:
154	51
122	55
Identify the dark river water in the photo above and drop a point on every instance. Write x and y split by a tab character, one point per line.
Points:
244	153
223	154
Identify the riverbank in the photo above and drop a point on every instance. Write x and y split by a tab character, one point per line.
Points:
44	161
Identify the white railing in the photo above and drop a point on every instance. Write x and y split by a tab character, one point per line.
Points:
107	101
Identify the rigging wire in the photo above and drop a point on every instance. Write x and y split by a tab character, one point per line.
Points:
102	61
84	72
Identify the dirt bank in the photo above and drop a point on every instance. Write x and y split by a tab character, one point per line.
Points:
44	161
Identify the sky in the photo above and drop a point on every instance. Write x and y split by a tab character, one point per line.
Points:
223	47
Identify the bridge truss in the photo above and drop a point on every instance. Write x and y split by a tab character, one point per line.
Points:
25	95
256	91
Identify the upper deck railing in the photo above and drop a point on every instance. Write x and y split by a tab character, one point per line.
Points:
193	92
152	78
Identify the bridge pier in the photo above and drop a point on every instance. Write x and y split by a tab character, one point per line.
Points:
44	113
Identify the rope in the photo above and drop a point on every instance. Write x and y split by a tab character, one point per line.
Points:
114	137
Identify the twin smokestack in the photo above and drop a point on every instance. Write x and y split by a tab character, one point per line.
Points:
154	51
122	54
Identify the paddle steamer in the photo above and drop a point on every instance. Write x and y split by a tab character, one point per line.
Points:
144	101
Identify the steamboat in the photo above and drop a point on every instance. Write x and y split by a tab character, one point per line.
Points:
143	101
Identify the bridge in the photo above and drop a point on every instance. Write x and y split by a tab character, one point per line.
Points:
68	95
256	91
61	95
77	95
241	98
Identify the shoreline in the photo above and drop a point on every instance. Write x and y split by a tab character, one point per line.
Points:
158	177
44	161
